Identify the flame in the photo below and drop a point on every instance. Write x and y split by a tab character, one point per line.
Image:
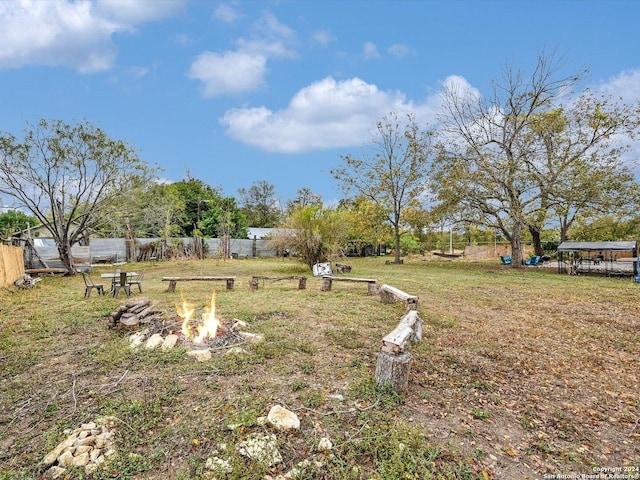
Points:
207	328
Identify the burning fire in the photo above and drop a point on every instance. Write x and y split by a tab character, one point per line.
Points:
204	330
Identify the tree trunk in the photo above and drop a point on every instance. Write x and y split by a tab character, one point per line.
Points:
397	245
393	370
537	242
516	246
130	242
64	249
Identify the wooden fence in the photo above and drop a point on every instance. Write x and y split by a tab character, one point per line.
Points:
11	265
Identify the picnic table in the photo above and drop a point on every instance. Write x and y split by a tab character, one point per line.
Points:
119	281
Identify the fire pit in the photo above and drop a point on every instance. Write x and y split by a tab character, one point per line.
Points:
201	333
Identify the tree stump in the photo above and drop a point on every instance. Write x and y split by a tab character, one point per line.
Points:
254	283
326	284
393	370
302	283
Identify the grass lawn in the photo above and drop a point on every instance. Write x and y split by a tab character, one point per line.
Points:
520	373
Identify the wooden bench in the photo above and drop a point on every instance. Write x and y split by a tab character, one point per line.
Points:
372	285
255	280
389	294
173	280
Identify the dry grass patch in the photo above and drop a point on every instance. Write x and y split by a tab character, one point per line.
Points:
520	373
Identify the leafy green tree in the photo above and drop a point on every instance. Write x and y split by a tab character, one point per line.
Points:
13	222
260	204
314	233
224	218
69	177
198	198
393	173
367	222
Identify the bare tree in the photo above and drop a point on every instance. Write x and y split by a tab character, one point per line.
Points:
68	177
393	173
483	172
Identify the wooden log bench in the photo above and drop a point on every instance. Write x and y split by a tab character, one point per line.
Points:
174	280
372	285
389	294
255	281
394	360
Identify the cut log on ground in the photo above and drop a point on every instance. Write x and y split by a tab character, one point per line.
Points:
26	281
394	361
389	294
393	370
131	315
342	268
408	330
45	271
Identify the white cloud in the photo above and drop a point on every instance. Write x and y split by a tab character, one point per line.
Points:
323	37
75	34
326	114
244	69
370	51
231	72
133	12
626	85
460	87
271	38
225	13
398	50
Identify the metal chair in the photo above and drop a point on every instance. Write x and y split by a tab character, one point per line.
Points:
89	285
121	285
137	280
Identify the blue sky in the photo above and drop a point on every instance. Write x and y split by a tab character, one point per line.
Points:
240	91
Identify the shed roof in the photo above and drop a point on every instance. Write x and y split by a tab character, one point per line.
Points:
623	246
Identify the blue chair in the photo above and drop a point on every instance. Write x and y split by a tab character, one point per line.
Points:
533	261
506	260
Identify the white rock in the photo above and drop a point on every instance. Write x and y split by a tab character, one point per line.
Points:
325	445
251	337
154	341
55	472
261	421
81	460
80	449
218	465
136	339
261	448
200	355
282	419
237	323
65	459
86	441
94	454
236	351
53	455
169	342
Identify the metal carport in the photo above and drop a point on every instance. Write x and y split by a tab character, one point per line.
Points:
610	258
